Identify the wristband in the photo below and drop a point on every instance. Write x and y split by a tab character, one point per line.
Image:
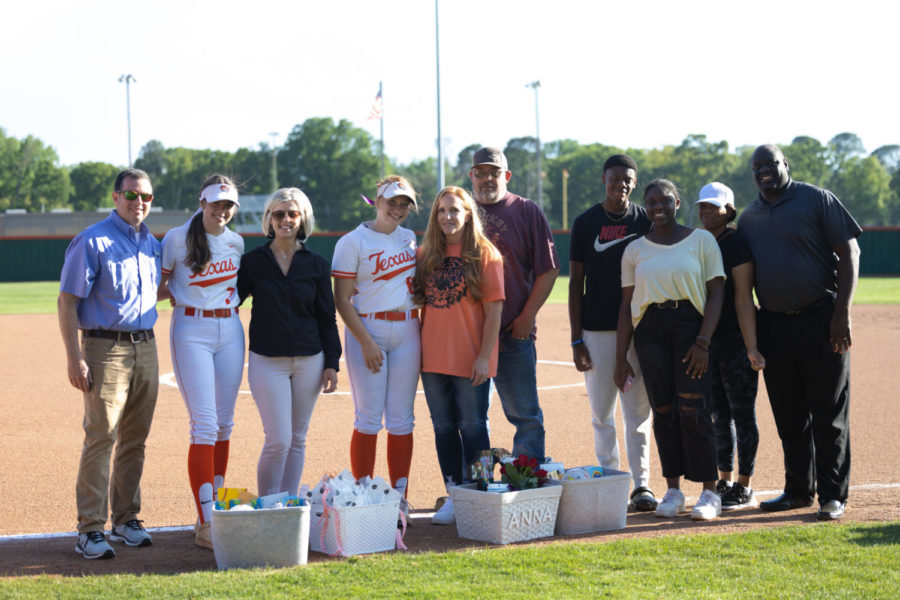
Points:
576	342
703	342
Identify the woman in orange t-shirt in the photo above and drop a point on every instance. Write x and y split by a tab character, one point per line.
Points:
459	282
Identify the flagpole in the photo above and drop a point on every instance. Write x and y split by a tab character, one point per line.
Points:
381	124
440	142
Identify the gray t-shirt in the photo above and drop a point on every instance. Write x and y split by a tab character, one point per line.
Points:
793	242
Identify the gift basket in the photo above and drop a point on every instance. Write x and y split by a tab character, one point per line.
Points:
351	517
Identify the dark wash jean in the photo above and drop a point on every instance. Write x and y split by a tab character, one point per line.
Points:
732	395
809	389
459	416
516	383
684	433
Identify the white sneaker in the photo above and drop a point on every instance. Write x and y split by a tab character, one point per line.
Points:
445	516
672	503
708	507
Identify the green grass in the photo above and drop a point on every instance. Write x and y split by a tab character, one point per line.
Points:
39	297
801	561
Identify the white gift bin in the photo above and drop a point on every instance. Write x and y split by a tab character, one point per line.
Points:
505	517
275	537
598	504
353	530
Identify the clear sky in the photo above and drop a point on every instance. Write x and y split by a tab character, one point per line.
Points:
644	73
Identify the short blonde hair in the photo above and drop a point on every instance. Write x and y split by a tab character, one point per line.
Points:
307	221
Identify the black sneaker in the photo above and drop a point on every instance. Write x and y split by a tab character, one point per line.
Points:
93	544
738	497
722	487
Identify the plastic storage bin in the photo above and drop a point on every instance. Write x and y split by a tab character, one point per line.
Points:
275	537
598	504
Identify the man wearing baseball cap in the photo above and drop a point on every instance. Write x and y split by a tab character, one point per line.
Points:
108	291
806	267
521	232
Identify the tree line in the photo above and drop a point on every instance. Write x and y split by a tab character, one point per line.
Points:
334	162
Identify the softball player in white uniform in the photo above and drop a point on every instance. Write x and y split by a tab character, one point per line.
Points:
207	339
373	267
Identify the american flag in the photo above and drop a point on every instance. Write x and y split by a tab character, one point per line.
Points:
377	110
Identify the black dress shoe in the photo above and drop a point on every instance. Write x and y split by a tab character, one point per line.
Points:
831	510
785	502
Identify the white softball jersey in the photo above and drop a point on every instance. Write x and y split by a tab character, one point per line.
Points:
383	266
213	287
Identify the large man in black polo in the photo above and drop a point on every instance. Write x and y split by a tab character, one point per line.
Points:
806	267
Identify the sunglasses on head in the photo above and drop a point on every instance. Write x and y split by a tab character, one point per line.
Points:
131	196
281	214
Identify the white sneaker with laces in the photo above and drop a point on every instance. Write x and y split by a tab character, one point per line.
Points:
672	503
445	516
708	507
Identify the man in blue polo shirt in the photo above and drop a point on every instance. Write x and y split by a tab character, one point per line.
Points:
108	291
806	267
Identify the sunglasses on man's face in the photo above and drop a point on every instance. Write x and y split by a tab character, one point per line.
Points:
281	214
131	196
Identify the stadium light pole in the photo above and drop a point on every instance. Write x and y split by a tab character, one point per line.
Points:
127	80
274	135
437	70
537	125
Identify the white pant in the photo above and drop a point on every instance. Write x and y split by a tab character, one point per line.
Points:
208	359
602	392
285	389
391	393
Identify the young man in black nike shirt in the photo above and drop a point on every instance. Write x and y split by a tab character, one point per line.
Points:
599	237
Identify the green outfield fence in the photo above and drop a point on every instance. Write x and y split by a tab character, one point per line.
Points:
40	258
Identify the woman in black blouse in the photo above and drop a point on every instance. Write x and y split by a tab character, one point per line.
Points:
294	342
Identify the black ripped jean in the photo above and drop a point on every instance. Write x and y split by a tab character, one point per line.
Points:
684	433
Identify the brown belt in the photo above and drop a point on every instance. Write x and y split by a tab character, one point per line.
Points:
141	335
392	315
216	313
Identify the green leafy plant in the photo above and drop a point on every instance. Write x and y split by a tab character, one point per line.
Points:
522	473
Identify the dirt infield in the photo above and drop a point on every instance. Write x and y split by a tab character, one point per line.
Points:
41	440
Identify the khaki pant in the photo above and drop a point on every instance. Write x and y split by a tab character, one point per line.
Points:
117	409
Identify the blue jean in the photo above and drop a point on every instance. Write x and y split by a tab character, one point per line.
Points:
516	383
459	416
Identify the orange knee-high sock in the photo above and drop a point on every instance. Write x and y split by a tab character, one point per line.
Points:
201	474
362	453
220	464
399	458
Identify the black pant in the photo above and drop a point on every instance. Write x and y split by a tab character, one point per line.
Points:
684	434
732	395
809	389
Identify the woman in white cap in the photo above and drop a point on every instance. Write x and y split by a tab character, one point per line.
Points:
373	269
294	342
200	262
733	356
672	289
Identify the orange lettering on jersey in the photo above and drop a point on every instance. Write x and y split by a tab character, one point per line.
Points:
405	259
216	268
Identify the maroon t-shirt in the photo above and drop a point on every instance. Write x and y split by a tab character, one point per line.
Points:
521	232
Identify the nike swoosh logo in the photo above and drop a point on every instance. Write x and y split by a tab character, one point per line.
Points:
601	247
